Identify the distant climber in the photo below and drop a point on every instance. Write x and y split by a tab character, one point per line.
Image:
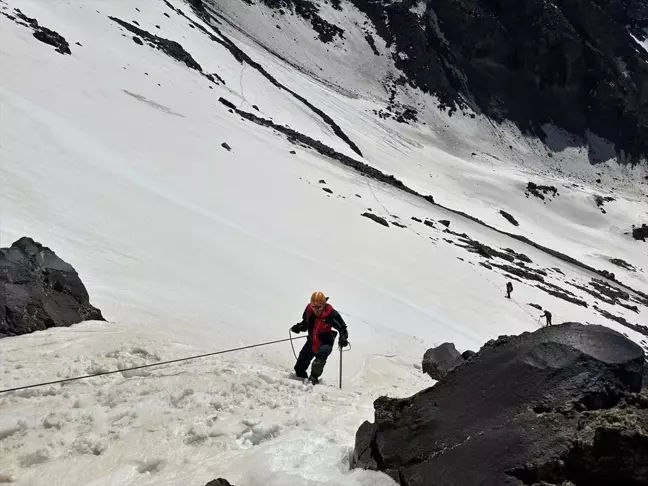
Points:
509	289
547	316
319	319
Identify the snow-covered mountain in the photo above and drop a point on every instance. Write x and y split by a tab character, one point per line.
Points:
206	167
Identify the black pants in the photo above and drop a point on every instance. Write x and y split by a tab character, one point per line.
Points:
306	355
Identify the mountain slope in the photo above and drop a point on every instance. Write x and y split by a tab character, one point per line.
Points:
112	156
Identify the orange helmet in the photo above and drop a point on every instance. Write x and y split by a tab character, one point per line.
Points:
318	299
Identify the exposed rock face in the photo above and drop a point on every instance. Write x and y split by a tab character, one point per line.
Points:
640	232
437	362
570	62
560	404
38	290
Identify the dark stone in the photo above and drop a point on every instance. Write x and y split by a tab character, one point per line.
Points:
537	306
623	264
43	34
429	223
509	218
79	44
544	408
439	361
414	218
466	355
541	191
137	40
399	225
226	146
219	482
293	152
377	219
38	290
445	222
640	233
600	200
322	181
372	43
326	189
255	107
169	47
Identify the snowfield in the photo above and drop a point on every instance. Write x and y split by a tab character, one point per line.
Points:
112	157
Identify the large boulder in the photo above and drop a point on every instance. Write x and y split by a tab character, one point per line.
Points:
437	362
38	290
554	406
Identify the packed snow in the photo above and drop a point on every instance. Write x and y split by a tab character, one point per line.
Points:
112	157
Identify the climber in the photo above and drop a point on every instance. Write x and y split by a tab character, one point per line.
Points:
547	315
319	319
509	289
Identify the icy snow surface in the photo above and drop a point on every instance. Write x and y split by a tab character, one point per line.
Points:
112	157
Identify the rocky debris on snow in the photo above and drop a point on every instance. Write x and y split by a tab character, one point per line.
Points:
171	48
509	218
226	146
564	295
372	43
418	220
242	57
299	138
526	273
400	112
43	34
536	306
326	189
543	63
377	219
640	232
429	222
321	181
601	200
561	405
309	11
486	251
40	291
444	222
292	152
437	362
623	264
399	225
541	191
623	321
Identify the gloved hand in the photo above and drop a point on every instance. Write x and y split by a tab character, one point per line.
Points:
296	328
344	341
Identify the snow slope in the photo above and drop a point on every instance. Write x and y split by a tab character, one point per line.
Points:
112	157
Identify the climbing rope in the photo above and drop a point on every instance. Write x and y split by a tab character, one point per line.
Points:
76	378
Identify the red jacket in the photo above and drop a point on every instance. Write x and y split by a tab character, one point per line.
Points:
320	328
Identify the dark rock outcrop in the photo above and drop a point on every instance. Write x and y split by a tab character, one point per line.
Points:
572	63
544	408
640	232
541	191
43	34
38	290
509	218
377	219
219	482
623	264
437	362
